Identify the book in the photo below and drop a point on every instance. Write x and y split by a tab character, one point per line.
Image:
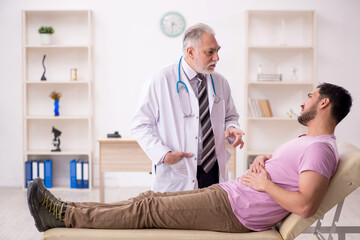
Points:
48	174
79	175
269	77
251	107
268	107
28	173
35	170
41	170
262	108
73	174
85	171
256	107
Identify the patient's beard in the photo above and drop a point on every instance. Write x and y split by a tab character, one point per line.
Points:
306	117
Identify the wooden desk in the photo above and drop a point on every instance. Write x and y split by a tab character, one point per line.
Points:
125	155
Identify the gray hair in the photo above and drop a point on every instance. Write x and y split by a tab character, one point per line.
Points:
192	36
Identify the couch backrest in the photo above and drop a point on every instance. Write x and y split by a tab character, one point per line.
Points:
345	180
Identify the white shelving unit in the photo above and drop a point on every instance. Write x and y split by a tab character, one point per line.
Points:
277	42
71	47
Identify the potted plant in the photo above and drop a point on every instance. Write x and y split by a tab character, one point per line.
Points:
45	33
56	97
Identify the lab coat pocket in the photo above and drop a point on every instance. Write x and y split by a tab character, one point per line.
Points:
180	167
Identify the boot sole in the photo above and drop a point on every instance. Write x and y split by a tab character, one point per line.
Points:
30	200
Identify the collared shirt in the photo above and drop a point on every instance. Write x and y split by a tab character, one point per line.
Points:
194	81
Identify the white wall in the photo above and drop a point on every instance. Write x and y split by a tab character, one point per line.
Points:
128	46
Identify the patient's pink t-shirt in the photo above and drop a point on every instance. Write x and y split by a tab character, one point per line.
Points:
257	210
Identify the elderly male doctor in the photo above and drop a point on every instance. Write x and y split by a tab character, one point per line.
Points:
185	115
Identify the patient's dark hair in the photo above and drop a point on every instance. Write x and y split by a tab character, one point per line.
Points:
340	99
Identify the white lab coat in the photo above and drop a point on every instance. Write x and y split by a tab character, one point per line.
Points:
159	126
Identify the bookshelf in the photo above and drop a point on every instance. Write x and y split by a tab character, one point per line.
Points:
70	47
278	43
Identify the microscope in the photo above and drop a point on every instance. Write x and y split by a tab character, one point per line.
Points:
56	140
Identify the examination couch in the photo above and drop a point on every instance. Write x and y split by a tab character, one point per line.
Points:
345	180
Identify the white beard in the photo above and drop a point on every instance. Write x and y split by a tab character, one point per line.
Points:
199	69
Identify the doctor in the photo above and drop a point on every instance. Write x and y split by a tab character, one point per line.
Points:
185	115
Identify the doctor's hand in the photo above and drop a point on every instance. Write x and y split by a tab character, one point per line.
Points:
259	163
174	157
236	135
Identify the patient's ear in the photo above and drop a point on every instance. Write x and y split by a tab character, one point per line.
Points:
324	103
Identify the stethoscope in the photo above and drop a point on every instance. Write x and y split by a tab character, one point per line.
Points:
216	97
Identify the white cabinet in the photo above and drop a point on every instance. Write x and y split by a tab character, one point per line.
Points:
278	43
70	48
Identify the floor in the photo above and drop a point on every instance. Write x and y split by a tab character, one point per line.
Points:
16	222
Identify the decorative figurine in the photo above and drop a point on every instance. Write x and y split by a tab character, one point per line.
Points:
73	74
294	75
293	113
56	97
43	78
56	140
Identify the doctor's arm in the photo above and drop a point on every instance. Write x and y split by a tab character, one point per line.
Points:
174	157
144	122
305	202
144	126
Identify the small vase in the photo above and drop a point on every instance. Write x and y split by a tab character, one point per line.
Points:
45	38
56	107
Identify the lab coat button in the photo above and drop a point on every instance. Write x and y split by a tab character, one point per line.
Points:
193	181
195	158
196	137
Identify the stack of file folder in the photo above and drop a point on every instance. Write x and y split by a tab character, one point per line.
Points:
79	174
41	169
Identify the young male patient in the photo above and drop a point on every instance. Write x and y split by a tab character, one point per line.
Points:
294	179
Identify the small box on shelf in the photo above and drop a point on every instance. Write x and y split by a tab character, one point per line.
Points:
269	77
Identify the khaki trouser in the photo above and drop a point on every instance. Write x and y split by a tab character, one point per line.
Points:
203	209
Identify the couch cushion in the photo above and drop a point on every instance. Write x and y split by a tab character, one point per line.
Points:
156	234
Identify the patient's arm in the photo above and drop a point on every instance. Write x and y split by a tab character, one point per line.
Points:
259	162
305	202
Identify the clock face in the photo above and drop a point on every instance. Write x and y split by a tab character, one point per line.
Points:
172	24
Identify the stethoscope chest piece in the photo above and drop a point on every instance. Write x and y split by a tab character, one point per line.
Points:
216	99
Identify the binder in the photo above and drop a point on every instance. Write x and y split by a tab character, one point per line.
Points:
79	177
73	174
41	169
269	108
28	173
48	174
85	174
35	169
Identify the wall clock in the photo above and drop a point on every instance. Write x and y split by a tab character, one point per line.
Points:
172	24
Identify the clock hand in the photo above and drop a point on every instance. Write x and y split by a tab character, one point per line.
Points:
172	27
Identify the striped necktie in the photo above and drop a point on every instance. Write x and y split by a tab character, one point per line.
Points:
208	158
